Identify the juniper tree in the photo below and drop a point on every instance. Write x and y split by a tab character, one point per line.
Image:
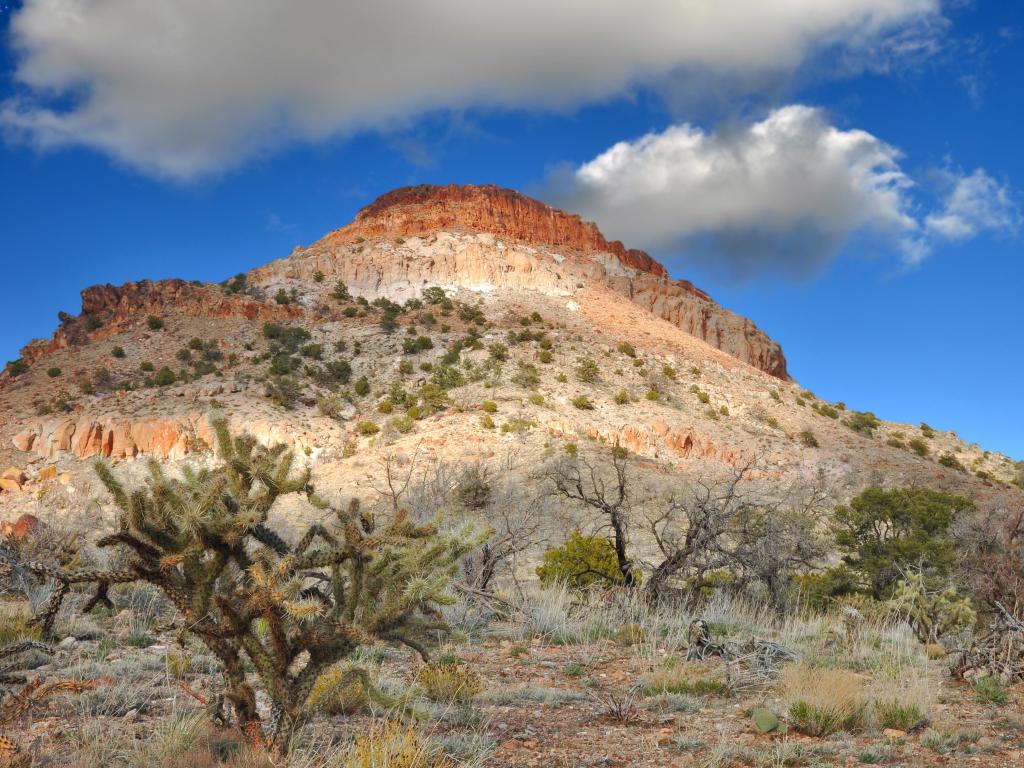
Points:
290	609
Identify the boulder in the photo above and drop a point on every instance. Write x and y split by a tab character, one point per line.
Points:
15	474
22	527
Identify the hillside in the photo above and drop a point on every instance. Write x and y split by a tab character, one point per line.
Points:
473	357
703	384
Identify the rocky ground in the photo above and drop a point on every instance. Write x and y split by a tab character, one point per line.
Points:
558	683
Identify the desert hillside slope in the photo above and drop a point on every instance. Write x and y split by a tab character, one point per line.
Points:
331	347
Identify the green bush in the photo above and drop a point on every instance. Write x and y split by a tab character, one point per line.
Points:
489	406
419	344
627	349
587	370
583	403
918	446
164	377
362	386
582	561
117	352
367	428
952	462
892	713
154	323
863	423
989	690
545	356
53	372
882	533
669	372
621	397
808	439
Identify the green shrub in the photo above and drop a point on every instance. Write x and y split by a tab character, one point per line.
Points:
627	349
526	376
863	423
486	422
989	690
489	406
652	394
154	323
669	372
367	428
952	462
419	344
536	399
582	561
402	424
587	370
825	410
621	397
808	439
53	372
882	533
362	386
918	446
117	352
164	377
583	403
892	713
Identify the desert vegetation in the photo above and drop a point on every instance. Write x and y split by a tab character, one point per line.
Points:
231	615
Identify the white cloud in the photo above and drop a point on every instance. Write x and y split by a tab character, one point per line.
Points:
187	87
783	194
975	203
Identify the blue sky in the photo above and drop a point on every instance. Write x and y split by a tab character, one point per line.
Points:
851	183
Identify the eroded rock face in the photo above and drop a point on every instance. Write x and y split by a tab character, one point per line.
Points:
482	238
120	308
114	437
425	209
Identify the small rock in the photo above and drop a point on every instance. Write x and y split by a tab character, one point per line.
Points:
894	733
67	643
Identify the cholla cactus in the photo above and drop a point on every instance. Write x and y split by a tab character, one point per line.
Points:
292	610
931	612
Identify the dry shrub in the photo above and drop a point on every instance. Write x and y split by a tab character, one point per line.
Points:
390	744
338	692
692	678
823	701
15	627
454	682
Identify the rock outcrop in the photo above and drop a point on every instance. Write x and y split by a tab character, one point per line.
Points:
117	437
425	209
485	238
120	308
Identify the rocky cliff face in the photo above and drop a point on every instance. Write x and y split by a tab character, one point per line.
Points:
108	310
485	237
425	209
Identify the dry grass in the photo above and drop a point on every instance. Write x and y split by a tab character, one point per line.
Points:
823	701
696	678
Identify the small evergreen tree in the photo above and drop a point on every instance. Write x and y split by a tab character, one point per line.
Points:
884	532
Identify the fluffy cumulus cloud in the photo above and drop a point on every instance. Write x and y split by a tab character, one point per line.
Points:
782	194
186	87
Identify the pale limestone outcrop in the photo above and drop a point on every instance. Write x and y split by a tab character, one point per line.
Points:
118	437
483	238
